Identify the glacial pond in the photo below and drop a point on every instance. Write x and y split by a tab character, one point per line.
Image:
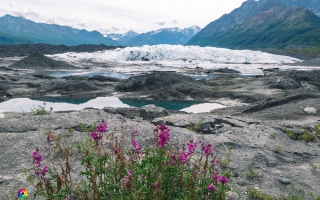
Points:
65	104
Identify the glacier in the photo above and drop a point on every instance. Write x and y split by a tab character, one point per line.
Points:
191	55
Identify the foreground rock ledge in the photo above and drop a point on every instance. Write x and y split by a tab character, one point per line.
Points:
21	133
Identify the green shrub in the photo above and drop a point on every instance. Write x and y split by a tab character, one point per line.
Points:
225	162
41	110
277	149
252	173
290	133
272	136
195	127
308	136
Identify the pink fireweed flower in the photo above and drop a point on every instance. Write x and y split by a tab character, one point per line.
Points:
191	147
208	149
211	187
223	180
134	132
38	171
163	135
183	157
51	109
37	157
50	139
102	128
45	169
200	141
68	198
95	136
215	177
136	146
44	103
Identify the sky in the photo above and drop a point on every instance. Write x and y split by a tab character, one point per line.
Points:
120	16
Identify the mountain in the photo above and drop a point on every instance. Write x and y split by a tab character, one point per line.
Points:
262	24
164	36
313	5
17	30
122	38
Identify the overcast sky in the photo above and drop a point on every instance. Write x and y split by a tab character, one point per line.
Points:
119	16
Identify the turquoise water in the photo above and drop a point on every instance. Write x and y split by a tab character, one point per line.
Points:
64	104
119	75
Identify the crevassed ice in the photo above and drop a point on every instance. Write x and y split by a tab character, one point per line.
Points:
179	53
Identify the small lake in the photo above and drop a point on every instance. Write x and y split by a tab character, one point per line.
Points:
125	75
65	104
120	75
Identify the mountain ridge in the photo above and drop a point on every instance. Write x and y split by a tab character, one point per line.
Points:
271	24
174	36
15	30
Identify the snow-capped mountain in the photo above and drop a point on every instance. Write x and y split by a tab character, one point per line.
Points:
160	36
178	54
122	38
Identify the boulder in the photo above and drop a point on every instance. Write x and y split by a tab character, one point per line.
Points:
129	112
152	111
284	83
310	110
153	81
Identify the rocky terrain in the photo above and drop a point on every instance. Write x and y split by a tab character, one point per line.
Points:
253	129
248	134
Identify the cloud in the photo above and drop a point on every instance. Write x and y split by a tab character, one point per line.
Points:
174	21
26	12
11	4
163	22
160	22
53	20
112	29
82	24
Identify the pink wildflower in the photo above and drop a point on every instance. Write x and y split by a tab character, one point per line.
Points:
215	177
45	169
44	103
37	157
163	135
134	131
223	180
217	161
102	128
183	157
191	147
136	146
211	187
95	136
208	149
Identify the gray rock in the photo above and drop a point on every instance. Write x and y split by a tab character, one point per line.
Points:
109	109
284	181
284	83
128	112
311	110
151	111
